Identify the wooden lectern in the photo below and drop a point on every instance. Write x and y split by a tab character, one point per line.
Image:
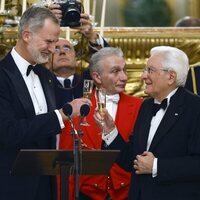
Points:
61	162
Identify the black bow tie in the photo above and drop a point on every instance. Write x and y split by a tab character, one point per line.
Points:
34	68
157	107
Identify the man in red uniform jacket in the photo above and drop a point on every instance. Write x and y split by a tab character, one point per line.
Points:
108	70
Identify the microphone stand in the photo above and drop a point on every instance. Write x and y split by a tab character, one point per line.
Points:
84	110
76	147
77	157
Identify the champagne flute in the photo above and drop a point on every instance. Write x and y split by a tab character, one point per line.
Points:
87	88
87	92
101	104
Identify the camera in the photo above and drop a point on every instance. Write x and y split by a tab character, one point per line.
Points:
71	10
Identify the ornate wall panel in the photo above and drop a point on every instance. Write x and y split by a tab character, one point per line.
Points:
135	43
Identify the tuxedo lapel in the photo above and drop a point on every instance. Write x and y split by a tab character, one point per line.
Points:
47	84
145	126
172	114
47	81
19	85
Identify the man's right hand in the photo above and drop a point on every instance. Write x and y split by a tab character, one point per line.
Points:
76	105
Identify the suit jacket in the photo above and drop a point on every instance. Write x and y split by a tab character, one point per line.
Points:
20	128
67	95
117	183
176	144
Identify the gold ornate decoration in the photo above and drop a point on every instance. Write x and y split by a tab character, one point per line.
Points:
135	43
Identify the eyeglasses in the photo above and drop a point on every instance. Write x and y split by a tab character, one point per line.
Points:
64	48
151	70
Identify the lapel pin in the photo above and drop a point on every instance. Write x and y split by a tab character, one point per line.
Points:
176	114
49	80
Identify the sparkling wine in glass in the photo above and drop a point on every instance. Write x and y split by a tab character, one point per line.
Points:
101	103
101	106
87	88
87	92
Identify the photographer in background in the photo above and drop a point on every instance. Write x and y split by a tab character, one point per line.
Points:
63	61
86	28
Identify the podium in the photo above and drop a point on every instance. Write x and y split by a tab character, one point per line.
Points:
61	162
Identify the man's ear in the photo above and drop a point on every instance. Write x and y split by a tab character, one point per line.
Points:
96	77
26	35
172	77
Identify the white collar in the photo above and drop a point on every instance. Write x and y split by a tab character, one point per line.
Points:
61	79
21	63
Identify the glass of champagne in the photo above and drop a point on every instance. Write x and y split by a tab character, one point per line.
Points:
101	104
87	88
87	92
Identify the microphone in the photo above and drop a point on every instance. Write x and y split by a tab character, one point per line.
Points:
67	109
84	110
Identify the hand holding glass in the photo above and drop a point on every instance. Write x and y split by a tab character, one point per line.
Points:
101	103
87	92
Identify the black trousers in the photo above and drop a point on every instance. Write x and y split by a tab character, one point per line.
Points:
46	188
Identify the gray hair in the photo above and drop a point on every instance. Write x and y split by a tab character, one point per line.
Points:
173	59
97	58
34	18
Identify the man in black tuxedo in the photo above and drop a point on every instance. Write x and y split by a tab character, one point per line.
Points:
28	115
163	152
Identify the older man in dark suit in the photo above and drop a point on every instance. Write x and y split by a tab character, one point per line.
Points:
164	151
28	115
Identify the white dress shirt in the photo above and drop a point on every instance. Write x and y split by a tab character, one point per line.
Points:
33	84
34	87
155	122
111	106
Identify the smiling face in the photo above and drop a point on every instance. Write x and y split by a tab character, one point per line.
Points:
159	81
113	76
41	44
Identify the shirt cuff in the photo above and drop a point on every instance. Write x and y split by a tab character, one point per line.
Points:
99	43
108	139
62	125
154	170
